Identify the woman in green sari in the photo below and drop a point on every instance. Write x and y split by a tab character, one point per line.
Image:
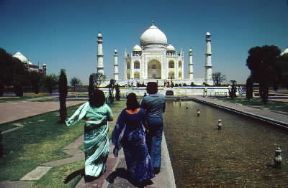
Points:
96	113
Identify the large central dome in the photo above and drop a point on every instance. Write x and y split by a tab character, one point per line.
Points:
153	35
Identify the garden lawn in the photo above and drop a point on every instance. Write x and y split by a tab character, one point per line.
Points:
276	106
41	140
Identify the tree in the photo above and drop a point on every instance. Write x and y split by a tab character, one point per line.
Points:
233	89
74	82
218	78
62	95
5	70
91	84
19	76
12	72
282	66
1	88
111	90
35	79
262	62
249	88
117	94
1	145
50	82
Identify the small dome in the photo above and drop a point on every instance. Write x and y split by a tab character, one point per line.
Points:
170	48
285	52
21	57
137	48
208	34
153	35
99	34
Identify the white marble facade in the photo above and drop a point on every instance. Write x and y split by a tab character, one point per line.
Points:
154	58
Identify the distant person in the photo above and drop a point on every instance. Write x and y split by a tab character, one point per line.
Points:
129	133
205	92
96	141
154	104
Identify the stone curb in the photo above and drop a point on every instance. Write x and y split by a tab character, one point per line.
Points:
266	119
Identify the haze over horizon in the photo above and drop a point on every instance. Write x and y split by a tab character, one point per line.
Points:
63	34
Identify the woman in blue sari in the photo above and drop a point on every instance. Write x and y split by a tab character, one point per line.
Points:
96	141
129	133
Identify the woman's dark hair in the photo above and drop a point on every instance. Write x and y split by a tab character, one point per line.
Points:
132	102
96	98
152	87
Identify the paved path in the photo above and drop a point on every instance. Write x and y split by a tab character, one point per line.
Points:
116	176
12	111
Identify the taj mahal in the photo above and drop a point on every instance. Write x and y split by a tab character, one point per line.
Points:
154	59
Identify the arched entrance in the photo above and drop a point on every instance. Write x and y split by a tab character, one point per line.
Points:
171	75
154	69
136	75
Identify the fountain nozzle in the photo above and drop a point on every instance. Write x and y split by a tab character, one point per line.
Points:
219	124
278	158
198	112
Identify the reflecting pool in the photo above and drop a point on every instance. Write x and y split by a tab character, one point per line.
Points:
238	155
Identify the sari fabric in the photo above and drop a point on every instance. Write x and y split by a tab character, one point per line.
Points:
129	133
96	141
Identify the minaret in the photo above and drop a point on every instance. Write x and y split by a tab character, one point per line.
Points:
208	62
190	65
116	72
44	68
100	55
125	66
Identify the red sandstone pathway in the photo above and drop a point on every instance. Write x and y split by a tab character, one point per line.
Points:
11	111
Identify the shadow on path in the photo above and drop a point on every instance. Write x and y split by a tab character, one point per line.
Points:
123	173
73	175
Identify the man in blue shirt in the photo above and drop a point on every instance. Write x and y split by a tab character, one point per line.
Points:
154	104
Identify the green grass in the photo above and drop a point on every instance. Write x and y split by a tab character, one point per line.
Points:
6	126
276	106
56	176
41	140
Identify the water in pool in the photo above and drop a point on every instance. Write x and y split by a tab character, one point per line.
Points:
238	155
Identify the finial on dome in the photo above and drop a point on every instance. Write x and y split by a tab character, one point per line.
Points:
153	23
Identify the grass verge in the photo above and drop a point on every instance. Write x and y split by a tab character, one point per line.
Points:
276	106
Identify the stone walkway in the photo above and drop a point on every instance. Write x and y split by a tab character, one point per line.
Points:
12	111
116	176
